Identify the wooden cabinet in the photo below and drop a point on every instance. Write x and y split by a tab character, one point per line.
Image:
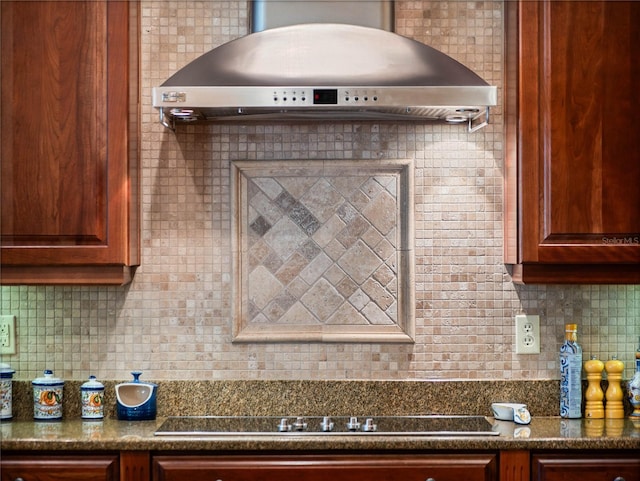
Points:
440	467
572	158
506	465
31	467
69	172
585	467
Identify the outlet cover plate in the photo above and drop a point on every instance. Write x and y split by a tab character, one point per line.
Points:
7	334
527	334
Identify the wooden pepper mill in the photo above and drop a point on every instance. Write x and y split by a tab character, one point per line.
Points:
614	408
595	407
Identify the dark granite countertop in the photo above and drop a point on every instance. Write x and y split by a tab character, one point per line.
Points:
114	435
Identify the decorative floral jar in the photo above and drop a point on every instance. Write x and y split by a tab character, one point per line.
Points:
47	397
6	393
92	393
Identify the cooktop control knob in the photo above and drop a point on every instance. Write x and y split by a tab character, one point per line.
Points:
284	425
300	424
326	425
353	424
369	425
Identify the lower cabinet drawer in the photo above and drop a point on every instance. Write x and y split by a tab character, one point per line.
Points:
455	467
63	467
585	467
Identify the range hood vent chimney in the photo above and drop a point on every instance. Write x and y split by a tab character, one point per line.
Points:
324	71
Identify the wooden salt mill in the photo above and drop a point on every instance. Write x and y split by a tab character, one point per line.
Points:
595	407
614	394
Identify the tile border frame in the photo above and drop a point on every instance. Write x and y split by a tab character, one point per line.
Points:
401	332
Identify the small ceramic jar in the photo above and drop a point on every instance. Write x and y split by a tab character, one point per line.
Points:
47	397
6	393
92	393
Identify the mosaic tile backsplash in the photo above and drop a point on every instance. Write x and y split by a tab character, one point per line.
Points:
175	320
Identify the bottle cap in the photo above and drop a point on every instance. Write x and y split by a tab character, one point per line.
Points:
571	328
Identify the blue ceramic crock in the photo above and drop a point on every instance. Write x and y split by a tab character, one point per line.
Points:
136	400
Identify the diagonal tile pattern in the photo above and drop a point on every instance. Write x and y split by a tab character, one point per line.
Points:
321	249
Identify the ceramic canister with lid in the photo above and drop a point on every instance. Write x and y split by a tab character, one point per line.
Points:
47	397
6	392
92	393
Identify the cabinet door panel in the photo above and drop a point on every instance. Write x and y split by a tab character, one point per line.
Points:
572	163
591	157
55	468
68	165
55	161
336	468
597	467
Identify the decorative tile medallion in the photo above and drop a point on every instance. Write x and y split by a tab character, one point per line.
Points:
323	251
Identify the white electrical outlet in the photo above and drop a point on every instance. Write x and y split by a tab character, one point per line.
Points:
7	334
527	334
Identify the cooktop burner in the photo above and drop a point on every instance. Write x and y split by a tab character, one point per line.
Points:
325	425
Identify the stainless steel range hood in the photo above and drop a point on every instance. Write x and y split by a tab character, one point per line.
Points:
321	71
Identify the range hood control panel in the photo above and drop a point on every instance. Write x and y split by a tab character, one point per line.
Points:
323	96
266	97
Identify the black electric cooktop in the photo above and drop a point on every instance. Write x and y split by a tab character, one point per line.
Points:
326	425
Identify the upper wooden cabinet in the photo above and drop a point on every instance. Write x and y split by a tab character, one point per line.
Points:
69	167
572	151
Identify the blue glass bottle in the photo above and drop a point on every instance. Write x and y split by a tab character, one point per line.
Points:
633	386
571	374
